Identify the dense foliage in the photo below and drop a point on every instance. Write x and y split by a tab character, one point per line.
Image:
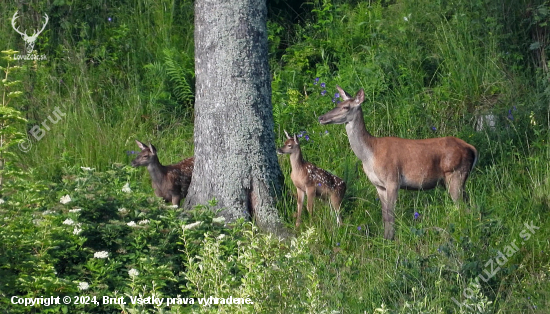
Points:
121	70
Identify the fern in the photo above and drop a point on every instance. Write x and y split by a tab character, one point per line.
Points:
156	69
181	74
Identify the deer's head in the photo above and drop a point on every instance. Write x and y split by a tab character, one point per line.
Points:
345	111
147	155
291	145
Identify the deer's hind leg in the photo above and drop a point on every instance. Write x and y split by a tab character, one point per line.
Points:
455	181
336	201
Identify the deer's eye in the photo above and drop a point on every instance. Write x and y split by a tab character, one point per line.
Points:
289	146
346	107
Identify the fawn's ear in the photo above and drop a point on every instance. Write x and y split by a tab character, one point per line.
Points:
152	149
296	139
141	145
287	137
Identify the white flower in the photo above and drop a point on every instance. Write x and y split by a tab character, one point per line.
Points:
75	210
131	224
87	168
47	212
221	236
219	220
83	285
122	210
68	221
191	226
143	222
65	199
126	188
133	272
102	254
2	201
77	231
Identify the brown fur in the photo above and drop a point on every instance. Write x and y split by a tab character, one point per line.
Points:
169	182
312	181
392	163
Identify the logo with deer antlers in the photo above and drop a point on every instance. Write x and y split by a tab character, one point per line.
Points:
29	40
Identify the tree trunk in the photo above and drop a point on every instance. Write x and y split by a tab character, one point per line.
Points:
235	157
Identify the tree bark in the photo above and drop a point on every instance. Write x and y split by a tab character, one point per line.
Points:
235	157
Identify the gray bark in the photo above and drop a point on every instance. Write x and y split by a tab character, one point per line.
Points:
235	157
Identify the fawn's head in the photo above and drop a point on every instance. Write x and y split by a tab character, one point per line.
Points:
291	145
346	110
147	155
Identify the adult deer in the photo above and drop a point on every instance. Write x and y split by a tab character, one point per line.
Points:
169	182
312	181
392	163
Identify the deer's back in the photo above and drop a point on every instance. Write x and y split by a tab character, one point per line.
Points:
324	182
419	163
180	174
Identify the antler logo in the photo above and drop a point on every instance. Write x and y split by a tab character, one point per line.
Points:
28	39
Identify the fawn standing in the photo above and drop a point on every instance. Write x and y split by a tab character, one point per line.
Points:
392	163
311	180
169	182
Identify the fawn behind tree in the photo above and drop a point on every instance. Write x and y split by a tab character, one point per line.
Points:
169	182
312	181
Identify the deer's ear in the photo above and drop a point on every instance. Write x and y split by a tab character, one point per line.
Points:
343	94
141	145
287	137
296	139
152	149
359	98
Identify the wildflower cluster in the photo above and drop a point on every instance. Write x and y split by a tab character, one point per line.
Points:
304	135
336	97
101	254
323	86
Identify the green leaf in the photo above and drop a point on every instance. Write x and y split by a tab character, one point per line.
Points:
8	84
15	94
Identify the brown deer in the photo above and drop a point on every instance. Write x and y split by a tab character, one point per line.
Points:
312	181
392	163
169	182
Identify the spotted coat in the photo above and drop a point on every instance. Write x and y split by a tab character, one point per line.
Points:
312	181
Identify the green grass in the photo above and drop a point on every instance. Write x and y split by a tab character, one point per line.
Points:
423	65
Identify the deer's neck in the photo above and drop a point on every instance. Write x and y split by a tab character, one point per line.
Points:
296	161
157	171
360	140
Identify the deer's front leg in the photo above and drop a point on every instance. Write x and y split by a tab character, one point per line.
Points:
336	201
388	197
176	200
300	205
